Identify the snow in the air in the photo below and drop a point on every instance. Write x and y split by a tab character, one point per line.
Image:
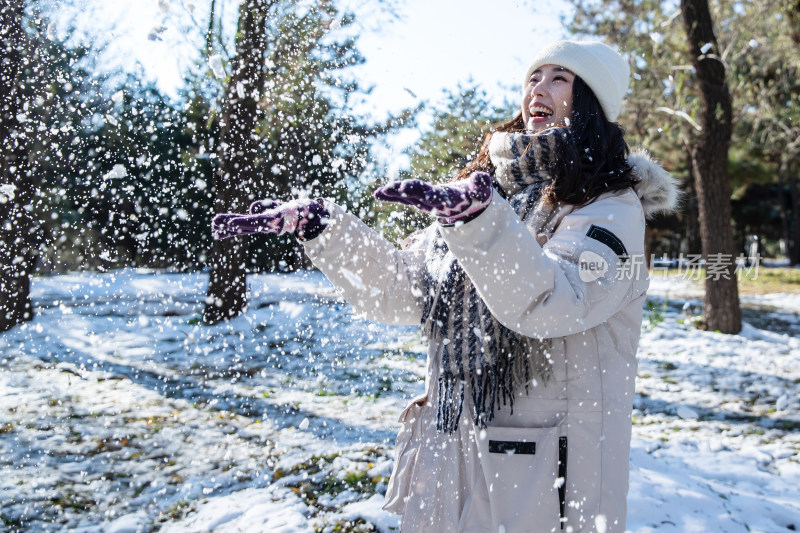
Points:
121	412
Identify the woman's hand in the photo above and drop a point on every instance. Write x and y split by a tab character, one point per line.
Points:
303	218
460	201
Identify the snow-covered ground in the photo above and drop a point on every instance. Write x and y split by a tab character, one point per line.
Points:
120	412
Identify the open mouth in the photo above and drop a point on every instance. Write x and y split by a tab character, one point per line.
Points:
540	111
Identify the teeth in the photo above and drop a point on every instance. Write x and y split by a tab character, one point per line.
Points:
540	110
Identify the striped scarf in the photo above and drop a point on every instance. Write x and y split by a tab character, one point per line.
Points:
475	349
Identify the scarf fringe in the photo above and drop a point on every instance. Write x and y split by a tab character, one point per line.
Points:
451	404
512	372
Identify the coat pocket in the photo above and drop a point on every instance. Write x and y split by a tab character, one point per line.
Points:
524	470
406	449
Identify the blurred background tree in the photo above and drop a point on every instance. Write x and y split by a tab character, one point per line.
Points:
710	167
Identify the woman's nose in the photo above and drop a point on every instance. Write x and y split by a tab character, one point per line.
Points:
539	88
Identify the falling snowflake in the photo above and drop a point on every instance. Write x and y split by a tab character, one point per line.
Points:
215	62
118	172
7	190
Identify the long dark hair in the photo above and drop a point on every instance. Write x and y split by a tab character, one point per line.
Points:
600	144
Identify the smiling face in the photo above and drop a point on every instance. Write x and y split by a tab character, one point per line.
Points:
547	100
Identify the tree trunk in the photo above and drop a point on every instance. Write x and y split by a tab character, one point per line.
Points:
693	244
710	169
782	199
233	181
16	239
794	236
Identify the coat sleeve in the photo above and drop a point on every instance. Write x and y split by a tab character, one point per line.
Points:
380	281
585	273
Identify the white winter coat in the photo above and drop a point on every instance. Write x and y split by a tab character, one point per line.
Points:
560	461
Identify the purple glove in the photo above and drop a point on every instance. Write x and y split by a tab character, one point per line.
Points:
459	201
303	218
260	206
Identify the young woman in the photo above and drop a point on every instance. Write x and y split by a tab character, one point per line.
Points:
530	288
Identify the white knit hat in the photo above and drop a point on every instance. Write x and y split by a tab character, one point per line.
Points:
602	68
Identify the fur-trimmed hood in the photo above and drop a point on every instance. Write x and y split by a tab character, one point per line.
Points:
656	187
